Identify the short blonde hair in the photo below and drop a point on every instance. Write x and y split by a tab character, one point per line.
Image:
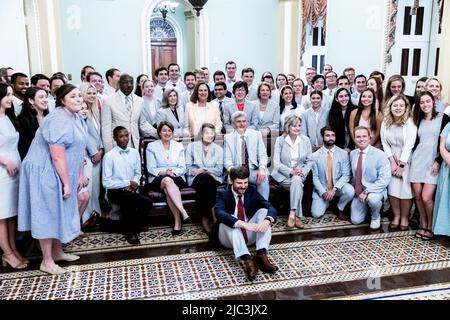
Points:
389	118
290	121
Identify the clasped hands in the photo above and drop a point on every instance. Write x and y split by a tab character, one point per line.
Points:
261	227
168	172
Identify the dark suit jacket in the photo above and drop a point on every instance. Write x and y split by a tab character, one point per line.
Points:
339	123
225	206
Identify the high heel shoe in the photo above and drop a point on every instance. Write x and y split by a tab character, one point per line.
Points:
17	253
187	220
7	262
176	232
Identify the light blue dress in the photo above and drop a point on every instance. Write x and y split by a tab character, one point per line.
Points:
441	212
42	208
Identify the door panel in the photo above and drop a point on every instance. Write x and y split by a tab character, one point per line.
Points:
164	52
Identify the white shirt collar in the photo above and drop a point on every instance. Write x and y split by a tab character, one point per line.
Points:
326	150
365	150
289	141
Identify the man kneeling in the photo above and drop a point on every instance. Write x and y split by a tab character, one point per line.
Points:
245	217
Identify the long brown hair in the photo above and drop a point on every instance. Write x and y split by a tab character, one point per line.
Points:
373	111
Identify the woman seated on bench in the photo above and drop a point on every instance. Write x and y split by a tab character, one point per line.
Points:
204	163
166	167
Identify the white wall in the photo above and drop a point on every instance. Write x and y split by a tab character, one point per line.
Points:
104	34
12	36
243	31
355	34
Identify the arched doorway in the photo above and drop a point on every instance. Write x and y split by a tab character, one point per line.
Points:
163	43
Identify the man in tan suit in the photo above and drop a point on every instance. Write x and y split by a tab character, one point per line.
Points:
123	108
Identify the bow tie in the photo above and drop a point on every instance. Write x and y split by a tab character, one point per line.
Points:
126	151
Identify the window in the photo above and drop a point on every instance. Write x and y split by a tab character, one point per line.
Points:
419	21
315	36
407	21
436	68
416	62
318	32
405	61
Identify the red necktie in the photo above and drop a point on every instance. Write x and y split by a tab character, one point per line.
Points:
241	216
240	106
358	176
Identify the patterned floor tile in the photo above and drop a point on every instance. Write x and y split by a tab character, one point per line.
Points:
213	274
193	233
431	292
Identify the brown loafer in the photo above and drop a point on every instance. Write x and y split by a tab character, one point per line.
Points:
250	269
291	222
264	263
299	223
342	216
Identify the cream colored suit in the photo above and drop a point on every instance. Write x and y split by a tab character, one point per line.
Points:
212	116
114	113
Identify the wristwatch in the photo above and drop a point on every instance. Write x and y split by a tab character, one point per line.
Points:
401	165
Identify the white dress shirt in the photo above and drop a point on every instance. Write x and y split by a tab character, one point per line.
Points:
294	149
120	167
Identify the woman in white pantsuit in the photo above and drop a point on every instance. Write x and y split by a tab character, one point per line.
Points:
292	163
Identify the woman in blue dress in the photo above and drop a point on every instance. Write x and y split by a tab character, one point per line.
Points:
441	213
50	177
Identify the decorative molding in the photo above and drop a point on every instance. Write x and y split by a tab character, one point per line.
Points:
313	11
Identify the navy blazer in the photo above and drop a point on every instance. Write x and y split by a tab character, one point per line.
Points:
253	201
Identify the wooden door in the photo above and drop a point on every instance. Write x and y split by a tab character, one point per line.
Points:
164	52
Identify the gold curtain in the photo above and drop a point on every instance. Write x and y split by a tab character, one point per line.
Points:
313	10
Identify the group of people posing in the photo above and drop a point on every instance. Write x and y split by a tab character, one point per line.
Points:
361	145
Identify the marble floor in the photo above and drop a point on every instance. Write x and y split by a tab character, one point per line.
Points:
329	259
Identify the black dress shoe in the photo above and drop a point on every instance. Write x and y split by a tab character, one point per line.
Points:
132	238
176	232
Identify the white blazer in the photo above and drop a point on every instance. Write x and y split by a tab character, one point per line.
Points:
114	113
157	160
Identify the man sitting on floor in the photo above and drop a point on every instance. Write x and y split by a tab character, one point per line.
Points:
243	218
121	174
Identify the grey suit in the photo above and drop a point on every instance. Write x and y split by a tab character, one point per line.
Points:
341	178
376	175
271	117
282	162
93	146
311	126
257	156
249	108
150	109
94	140
166	114
114	113
212	161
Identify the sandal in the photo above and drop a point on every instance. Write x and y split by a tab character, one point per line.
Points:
428	237
419	235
